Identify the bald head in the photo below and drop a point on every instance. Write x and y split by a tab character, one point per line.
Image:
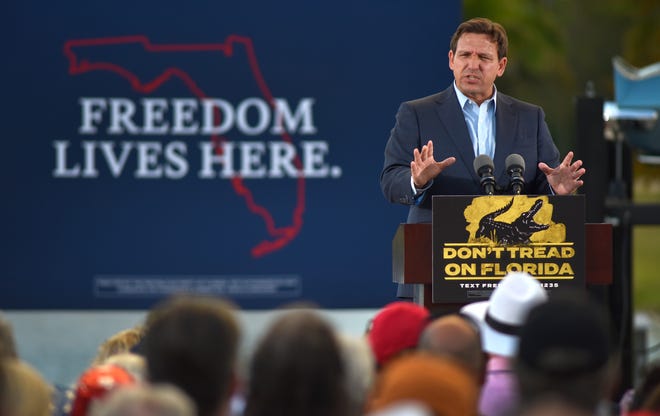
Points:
454	336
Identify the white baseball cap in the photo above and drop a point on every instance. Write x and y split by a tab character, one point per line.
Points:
502	316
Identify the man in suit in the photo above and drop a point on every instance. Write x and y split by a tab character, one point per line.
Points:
435	140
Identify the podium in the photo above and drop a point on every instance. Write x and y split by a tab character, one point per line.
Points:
412	259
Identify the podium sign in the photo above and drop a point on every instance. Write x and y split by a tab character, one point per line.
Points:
477	240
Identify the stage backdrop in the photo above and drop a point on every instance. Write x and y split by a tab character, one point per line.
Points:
228	148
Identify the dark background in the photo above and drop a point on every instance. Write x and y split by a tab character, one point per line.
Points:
357	60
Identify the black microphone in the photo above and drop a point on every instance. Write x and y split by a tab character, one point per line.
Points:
484	167
515	167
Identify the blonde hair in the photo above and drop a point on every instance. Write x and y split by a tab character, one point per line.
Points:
23	391
119	343
135	364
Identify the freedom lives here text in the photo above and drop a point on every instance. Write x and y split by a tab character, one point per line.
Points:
181	117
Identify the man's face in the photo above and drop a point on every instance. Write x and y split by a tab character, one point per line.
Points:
476	66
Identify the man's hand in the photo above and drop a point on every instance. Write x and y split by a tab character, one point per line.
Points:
565	178
424	168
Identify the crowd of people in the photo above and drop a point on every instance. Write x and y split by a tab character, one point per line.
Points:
521	352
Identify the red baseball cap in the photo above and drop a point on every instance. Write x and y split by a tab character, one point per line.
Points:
395	328
95	383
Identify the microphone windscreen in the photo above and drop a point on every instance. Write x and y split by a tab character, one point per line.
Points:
514	160
483	161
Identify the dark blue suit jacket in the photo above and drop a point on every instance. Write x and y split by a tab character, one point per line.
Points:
520	128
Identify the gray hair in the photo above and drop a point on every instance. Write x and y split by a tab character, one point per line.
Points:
145	400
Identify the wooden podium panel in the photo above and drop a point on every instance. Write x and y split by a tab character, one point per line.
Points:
412	257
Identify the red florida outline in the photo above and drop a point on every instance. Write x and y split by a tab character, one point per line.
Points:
281	235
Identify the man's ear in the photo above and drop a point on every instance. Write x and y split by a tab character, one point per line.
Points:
502	66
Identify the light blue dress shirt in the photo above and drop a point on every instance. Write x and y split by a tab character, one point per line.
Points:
480	120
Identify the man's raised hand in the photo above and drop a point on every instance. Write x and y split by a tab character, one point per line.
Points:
424	168
565	179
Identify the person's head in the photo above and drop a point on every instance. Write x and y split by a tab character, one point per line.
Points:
135	364
360	368
7	341
565	354
395	330
23	391
456	337
146	400
439	383
120	342
504	313
477	56
95	383
192	342
297	369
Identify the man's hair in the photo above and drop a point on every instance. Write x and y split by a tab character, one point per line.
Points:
455	336
297	369
191	342
481	25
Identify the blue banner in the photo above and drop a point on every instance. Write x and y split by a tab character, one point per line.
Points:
228	149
